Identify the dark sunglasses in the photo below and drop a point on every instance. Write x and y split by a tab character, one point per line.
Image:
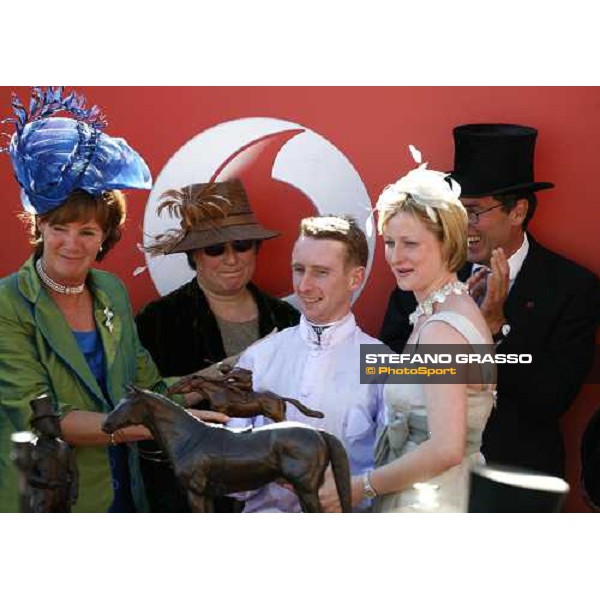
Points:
237	245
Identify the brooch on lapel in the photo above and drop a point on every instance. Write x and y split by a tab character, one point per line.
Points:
109	317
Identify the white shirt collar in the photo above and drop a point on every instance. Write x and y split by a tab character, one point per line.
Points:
515	262
332	333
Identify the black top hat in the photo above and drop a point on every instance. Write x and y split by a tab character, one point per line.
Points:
492	159
503	489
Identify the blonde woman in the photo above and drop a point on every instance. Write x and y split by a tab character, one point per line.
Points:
434	430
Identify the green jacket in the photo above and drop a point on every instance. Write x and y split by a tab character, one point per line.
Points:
39	353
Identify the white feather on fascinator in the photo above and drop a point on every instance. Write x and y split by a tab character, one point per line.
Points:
429	189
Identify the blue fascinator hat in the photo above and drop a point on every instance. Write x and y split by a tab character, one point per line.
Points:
52	156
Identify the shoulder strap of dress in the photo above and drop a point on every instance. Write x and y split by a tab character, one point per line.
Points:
458	322
466	328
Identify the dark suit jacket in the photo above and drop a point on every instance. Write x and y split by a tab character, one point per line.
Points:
553	309
590	461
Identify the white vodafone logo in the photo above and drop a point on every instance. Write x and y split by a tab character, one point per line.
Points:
306	161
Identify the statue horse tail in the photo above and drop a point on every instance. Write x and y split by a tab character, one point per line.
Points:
341	469
309	412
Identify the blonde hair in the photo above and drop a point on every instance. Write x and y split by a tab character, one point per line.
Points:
341	228
448	221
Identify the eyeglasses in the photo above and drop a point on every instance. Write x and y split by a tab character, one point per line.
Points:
475	214
237	245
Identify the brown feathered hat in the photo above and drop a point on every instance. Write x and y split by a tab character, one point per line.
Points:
209	213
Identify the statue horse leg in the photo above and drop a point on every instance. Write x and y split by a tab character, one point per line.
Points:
307	477
309	501
199	502
194	480
272	407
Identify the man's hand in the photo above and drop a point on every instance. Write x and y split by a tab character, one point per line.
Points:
477	284
489	288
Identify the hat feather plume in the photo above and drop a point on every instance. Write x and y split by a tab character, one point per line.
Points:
193	208
47	102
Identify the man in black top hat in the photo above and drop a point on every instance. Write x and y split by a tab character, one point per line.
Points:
534	300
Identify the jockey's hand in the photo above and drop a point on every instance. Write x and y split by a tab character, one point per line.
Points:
328	493
210	416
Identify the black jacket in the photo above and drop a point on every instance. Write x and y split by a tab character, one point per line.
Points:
553	309
590	461
181	332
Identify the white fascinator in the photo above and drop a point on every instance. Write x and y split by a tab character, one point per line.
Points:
428	189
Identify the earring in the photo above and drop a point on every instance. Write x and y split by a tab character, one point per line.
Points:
101	248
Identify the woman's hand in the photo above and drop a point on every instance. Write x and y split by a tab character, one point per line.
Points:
84	428
132	433
210	416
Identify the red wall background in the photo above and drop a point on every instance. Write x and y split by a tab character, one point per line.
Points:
372	127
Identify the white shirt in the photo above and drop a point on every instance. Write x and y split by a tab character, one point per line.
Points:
324	374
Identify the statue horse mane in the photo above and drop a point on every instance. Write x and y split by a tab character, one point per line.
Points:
211	460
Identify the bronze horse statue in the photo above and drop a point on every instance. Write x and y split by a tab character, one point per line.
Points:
53	478
232	394
211	460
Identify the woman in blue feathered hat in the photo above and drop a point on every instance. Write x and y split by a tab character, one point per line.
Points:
67	329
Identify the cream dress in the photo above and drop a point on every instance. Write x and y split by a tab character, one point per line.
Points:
407	428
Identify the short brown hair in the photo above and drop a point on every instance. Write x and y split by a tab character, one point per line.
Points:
509	201
108	209
342	228
449	226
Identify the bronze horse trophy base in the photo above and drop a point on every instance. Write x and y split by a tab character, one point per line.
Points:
211	460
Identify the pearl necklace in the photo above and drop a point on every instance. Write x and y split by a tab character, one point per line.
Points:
57	287
437	297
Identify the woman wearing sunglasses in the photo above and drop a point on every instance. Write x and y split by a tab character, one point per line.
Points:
219	312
